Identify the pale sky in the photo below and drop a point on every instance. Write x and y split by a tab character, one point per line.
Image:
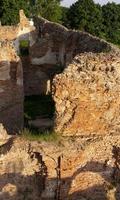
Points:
69	2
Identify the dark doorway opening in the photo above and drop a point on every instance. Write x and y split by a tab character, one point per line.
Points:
24	47
39	111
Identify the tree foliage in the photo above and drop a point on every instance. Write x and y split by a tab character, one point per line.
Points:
9	10
85	15
102	21
64	16
111	16
49	9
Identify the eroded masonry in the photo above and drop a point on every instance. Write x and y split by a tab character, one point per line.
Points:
88	68
81	73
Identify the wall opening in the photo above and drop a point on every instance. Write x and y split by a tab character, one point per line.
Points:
24	47
39	113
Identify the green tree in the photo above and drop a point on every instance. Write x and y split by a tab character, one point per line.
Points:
49	9
1	11
85	15
64	16
111	16
10	10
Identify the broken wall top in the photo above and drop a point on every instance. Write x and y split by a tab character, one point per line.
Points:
81	41
12	32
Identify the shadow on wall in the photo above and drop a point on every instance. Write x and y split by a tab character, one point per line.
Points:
7	146
11	95
22	189
68	43
52	48
48	48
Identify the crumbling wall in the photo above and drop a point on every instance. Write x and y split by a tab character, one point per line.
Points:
51	48
54	49
11	88
25	30
61	44
87	95
35	81
83	168
87	98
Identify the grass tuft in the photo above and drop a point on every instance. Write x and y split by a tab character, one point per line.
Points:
33	135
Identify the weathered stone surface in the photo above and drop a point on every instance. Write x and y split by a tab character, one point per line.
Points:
55	47
87	95
3	133
51	48
23	31
11	88
81	168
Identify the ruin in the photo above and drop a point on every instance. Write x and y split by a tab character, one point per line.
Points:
42	49
11	88
82	75
87	95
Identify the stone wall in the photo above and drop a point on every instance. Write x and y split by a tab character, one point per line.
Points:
51	48
60	45
54	49
25	30
11	88
80	169
87	95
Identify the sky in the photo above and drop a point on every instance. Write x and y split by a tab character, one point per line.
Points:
69	2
